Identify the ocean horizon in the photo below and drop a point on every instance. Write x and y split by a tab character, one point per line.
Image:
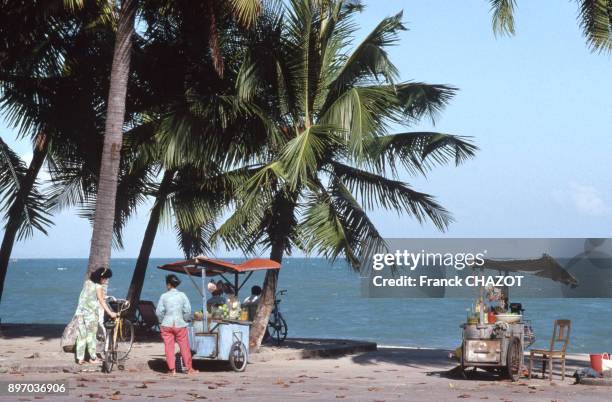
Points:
323	300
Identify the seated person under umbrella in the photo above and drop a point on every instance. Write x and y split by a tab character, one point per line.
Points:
252	301
217	298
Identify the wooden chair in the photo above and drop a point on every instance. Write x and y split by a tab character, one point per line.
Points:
561	333
146	317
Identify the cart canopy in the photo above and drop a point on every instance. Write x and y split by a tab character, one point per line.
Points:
212	267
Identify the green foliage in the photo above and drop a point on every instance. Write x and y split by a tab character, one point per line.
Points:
594	16
30	208
326	112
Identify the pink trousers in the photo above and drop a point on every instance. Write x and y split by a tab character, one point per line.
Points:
170	335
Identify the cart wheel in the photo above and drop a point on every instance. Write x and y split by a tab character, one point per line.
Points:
514	360
238	356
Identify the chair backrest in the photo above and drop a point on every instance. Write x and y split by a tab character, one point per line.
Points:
147	312
561	333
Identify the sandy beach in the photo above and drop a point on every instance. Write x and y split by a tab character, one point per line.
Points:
389	373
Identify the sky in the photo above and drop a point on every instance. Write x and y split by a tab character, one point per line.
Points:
537	105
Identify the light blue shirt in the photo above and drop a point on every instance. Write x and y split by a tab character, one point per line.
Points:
173	309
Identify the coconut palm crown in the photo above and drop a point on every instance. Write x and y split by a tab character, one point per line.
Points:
328	112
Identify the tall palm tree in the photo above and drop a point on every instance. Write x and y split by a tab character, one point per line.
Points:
329	156
101	241
35	50
100	249
594	16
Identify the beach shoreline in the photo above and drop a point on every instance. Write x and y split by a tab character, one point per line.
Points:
387	373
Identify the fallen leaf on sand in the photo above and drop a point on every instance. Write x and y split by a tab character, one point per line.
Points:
373	389
196	395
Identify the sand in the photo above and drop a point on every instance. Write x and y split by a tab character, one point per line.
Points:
383	375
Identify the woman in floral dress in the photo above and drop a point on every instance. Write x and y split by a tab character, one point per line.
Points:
88	312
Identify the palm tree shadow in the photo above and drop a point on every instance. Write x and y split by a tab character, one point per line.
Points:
425	359
44	332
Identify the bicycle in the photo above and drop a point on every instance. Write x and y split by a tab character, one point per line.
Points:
277	326
118	337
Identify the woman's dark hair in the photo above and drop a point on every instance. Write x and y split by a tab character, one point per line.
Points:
99	274
172	280
255	290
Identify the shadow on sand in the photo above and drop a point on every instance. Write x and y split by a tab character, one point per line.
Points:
159	365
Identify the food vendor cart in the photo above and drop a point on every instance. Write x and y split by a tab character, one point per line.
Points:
217	338
498	344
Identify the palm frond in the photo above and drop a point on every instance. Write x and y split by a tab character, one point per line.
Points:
418	152
302	155
375	190
370	59
29	209
595	18
12	171
360	114
334	223
419	100
503	16
246	11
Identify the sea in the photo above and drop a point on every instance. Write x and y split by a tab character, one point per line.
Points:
323	300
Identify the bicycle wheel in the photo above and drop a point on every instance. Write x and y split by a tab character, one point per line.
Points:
109	355
125	340
277	327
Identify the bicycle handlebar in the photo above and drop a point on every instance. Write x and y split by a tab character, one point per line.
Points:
123	303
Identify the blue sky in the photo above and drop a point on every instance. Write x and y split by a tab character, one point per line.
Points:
537	104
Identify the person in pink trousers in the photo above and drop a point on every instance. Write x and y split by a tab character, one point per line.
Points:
173	311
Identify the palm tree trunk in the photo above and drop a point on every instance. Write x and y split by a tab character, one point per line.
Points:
15	213
266	301
140	270
100	251
279	234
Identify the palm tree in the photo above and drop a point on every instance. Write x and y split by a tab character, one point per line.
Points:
35	45
56	64
100	250
594	16
194	132
18	191
329	156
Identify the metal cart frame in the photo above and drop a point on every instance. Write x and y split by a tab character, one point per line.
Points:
226	340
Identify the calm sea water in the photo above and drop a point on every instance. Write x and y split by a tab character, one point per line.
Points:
323	300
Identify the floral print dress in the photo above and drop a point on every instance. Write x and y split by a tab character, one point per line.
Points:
87	313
